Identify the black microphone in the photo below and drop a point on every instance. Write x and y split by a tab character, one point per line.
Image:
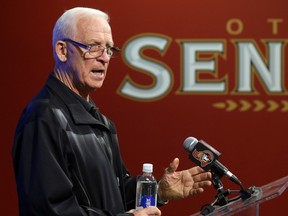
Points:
205	156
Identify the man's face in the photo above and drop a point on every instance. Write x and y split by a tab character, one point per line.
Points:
87	73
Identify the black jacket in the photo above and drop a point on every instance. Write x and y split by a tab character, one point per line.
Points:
66	161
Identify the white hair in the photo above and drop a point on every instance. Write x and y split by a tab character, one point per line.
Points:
65	26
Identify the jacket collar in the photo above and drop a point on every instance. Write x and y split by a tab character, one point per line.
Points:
77	106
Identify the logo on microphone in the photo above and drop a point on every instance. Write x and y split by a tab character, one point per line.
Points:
204	157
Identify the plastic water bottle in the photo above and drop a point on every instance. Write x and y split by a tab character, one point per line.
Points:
146	190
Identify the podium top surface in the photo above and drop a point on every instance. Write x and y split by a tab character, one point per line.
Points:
262	194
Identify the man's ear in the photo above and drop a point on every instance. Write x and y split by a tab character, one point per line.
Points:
61	51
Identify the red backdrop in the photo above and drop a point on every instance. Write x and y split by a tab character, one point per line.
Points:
245	119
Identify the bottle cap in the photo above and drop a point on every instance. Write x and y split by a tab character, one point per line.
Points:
148	167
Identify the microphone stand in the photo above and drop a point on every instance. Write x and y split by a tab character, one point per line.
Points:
221	196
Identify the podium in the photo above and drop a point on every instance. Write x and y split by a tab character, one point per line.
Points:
251	205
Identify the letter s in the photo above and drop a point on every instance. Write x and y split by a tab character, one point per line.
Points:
160	73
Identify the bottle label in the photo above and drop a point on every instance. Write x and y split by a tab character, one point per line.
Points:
147	201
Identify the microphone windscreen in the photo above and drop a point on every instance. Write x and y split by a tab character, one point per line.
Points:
189	143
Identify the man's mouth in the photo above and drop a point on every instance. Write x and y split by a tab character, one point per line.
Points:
98	73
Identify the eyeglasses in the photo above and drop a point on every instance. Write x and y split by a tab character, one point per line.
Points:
96	50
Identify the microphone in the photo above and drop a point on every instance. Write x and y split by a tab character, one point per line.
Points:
205	156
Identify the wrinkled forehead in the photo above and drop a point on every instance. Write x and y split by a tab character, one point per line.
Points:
93	28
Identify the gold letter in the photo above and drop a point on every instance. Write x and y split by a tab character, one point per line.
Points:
239	26
275	25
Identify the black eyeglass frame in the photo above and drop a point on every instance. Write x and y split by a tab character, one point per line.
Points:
115	50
